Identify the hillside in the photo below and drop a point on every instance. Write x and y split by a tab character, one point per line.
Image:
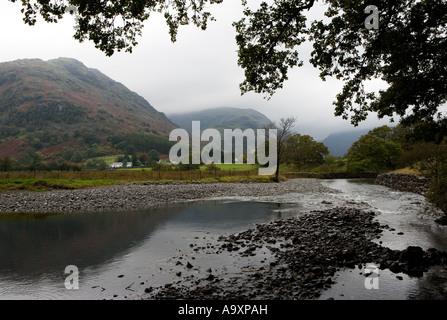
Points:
340	142
49	106
222	118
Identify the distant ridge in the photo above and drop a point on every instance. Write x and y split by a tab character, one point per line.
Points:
222	118
339	143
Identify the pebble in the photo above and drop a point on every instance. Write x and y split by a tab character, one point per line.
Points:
404	182
140	196
303	269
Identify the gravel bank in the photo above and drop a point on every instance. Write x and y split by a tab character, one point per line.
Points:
137	196
307	251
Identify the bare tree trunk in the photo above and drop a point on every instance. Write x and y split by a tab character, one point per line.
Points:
284	132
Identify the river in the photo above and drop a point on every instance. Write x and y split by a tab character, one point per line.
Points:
120	254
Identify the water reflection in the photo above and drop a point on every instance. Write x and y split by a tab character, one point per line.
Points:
38	245
121	253
35	249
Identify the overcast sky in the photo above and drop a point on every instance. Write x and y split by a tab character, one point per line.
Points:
197	72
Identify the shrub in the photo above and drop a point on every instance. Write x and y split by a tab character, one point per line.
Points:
212	167
435	167
438	194
162	167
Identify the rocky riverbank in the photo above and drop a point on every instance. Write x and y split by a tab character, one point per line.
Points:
137	196
307	252
408	183
296	258
404	182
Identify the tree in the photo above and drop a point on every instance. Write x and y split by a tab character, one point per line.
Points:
407	50
383	132
143	158
135	161
36	160
434	166
77	157
154	155
373	152
115	25
283	133
8	164
304	150
101	165
125	161
90	138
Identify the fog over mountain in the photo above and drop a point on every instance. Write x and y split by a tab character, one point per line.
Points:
339	143
222	118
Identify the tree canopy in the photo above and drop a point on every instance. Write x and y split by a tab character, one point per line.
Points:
304	150
408	50
374	152
116	25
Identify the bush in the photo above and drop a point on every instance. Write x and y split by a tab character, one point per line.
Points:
438	194
188	167
435	167
365	165
212	167
162	167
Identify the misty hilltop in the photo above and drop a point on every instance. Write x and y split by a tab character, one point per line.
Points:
339	143
222	118
57	101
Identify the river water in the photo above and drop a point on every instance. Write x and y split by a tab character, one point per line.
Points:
119	255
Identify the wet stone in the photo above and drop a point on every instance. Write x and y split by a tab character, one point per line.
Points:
304	264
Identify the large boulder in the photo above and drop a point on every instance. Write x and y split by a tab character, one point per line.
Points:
413	256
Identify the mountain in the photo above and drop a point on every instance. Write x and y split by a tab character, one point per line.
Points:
340	142
48	106
222	118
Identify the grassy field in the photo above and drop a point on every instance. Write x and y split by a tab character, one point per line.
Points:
107	159
43	181
135	169
53	180
234	167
